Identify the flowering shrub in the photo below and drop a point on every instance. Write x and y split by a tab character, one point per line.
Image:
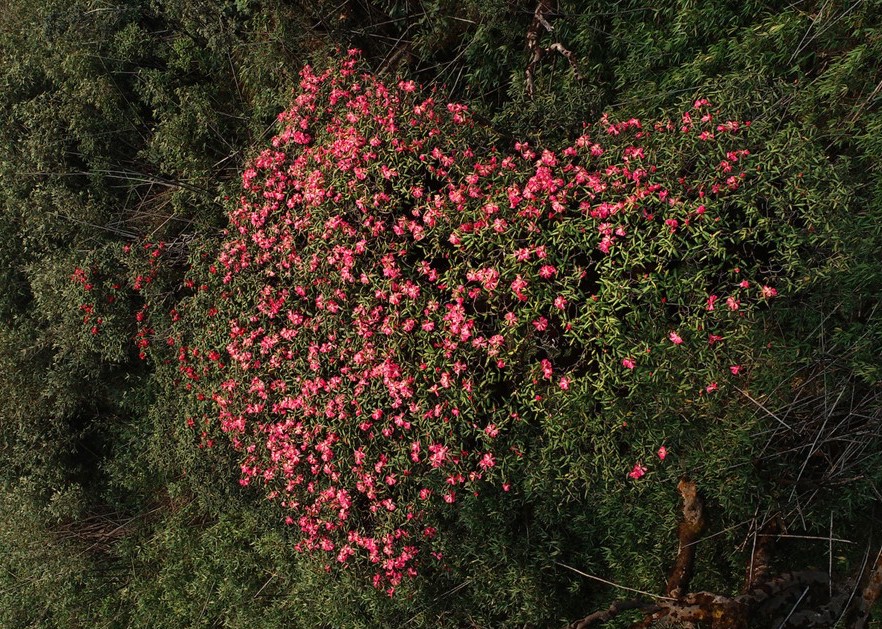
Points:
400	313
97	305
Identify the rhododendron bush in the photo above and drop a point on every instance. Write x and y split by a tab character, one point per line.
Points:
404	315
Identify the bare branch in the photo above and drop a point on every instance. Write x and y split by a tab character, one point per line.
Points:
536	51
614	610
690	528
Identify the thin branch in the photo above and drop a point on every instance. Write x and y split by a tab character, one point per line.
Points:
761	553
770	413
616	585
793	609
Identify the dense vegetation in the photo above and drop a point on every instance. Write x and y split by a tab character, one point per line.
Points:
498	302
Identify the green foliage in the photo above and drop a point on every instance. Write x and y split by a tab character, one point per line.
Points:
133	123
45	581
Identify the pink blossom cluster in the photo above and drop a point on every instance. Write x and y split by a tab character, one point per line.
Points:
394	300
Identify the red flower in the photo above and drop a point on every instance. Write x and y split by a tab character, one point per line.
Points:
547	271
638	472
487	461
546	368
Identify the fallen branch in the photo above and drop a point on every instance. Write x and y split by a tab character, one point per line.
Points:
688	532
800	600
614	610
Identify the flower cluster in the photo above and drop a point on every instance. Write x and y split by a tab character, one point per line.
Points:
397	304
102	307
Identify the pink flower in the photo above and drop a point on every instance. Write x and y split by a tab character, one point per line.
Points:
564	384
627	363
675	338
735	369
638	472
546	368
733	303
711	387
710	302
439	455
517	286
713	338
491	430
487	461
662	453
547	271
768	292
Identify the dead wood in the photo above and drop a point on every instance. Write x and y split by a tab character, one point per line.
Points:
688	532
537	52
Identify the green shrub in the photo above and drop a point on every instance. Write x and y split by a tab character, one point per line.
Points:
402	317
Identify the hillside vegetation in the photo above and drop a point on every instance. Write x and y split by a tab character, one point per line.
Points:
421	314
